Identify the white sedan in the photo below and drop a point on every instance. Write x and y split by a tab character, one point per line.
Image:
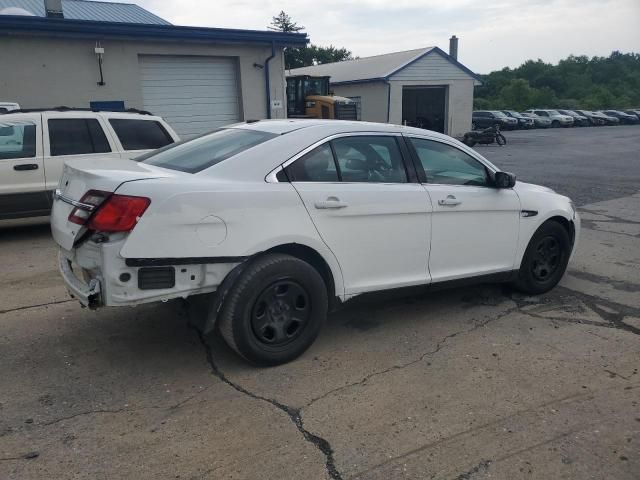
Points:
280	221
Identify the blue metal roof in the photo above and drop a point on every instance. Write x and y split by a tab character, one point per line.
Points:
96	11
57	27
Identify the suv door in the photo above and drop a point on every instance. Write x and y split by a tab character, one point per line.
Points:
474	226
21	168
73	135
358	193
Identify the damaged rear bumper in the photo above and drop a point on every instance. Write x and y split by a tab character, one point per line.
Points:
89	294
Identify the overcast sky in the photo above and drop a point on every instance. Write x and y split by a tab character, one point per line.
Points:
493	33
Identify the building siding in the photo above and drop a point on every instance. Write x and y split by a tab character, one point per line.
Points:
373	99
47	72
432	67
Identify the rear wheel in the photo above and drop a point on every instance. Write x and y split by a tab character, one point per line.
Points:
545	259
275	310
500	139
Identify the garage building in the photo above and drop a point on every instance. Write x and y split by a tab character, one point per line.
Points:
118	56
423	87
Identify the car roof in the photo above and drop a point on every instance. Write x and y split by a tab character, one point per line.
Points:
281	127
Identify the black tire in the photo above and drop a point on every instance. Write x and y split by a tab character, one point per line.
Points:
500	139
545	260
555	124
275	310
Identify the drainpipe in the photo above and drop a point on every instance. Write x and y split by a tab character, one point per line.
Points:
267	78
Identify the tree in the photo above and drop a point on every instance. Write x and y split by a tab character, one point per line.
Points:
309	55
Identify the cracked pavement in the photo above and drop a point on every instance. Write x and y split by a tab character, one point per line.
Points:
472	383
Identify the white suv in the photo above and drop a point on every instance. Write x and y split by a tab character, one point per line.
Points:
557	119
34	146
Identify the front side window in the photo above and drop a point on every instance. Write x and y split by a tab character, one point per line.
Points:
375	159
17	140
542	113
444	164
202	152
316	166
140	134
76	136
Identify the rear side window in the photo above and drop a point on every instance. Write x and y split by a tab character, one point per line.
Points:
17	140
140	134
202	152
76	136
316	166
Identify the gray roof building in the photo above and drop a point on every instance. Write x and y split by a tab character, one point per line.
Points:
90	10
423	87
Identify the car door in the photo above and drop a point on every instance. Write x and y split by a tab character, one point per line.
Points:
376	221
69	135
22	191
474	226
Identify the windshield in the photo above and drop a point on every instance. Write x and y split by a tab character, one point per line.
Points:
499	114
553	112
316	86
195	155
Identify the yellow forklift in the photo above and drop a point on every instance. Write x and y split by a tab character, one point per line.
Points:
309	97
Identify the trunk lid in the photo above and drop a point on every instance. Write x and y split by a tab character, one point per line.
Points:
81	175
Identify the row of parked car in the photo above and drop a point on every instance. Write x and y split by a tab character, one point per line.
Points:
547	118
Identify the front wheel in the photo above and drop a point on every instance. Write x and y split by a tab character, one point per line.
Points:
275	310
555	124
500	139
545	260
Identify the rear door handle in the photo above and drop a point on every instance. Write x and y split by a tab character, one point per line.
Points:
331	202
450	201
26	166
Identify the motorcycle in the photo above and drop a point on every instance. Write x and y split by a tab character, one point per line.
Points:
484	137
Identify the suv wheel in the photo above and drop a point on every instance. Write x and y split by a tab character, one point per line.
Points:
555	124
545	259
275	310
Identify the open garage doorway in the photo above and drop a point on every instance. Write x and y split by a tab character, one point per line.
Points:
424	107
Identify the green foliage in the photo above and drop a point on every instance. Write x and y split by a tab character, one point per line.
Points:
575	82
309	55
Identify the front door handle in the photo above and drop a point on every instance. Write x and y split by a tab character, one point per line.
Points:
450	201
26	166
330	202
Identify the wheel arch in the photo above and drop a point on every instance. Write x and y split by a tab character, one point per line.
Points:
317	261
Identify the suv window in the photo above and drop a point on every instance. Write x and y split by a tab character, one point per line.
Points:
444	164
541	113
140	134
17	140
316	166
75	136
202	152
369	159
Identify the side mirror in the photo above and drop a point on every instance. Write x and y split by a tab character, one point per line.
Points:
504	180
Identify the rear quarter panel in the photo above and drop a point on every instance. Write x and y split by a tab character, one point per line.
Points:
224	219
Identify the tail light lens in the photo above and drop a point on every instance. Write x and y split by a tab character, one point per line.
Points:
119	213
108	212
89	202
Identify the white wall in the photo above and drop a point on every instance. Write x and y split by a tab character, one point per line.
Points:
373	98
47	72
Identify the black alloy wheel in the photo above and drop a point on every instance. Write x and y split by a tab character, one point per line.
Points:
546	259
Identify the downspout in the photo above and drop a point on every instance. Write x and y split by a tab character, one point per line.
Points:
267	78
388	99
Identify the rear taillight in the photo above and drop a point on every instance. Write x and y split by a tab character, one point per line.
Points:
118	213
89	202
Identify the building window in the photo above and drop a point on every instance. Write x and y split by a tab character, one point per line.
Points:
358	102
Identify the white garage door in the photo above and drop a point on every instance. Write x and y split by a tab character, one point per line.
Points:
193	94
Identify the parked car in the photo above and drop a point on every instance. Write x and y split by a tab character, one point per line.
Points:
286	219
538	121
491	118
624	118
8	106
593	117
634	112
578	120
608	119
523	122
34	146
557	119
